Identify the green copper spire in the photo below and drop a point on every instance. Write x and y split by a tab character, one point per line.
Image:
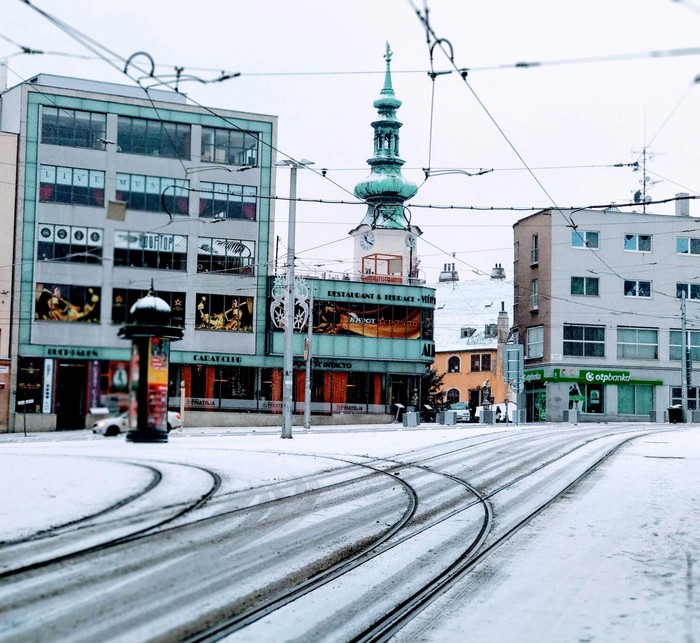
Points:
385	190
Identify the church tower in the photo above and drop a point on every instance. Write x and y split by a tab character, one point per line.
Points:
385	241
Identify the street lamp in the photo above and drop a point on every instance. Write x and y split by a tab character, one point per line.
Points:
288	370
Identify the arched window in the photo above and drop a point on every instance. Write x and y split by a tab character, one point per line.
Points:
453	364
452	396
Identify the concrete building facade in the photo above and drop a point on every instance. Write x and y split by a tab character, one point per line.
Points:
598	309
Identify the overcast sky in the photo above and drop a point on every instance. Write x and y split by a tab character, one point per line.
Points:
318	65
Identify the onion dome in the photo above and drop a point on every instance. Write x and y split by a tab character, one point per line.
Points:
385	189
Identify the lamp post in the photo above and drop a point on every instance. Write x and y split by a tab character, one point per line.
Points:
288	368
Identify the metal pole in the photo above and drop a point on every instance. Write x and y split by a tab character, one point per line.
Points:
684	359
307	387
288	373
182	404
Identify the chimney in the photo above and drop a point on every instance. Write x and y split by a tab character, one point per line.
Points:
682	204
448	273
497	272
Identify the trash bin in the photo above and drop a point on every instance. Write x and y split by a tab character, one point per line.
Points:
675	414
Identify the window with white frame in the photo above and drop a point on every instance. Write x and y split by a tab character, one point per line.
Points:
675	349
637	343
584	341
688	245
453	364
535	295
535	249
691	291
584	239
535	342
634	288
637	242
587	286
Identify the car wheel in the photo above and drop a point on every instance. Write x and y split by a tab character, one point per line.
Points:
111	431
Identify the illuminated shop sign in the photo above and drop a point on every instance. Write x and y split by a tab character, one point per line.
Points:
371	296
606	377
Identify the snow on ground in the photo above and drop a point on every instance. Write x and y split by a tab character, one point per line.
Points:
616	561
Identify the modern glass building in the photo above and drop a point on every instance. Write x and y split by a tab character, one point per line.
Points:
116	190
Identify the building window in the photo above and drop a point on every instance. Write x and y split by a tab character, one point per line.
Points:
691	291
481	362
150	250
153	138
124	298
224	312
453	364
693	397
675	350
584	239
687	246
73	128
635	400
232	147
71	185
637	288
452	396
535	295
223	201
69	243
535	249
637	242
535	342
587	286
152	193
63	302
637	343
584	341
225	256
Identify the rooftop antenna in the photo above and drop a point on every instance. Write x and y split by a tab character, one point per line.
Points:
641	195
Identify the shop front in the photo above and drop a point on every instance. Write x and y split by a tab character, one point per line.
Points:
597	394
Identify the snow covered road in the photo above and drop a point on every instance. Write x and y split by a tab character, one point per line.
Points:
321	537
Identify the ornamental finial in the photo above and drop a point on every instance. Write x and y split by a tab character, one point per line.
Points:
387	55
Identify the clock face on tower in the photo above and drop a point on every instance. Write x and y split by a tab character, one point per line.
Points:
410	241
367	240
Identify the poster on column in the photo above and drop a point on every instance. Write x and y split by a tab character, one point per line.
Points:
157	379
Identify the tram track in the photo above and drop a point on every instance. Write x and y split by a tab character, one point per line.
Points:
241	559
96	532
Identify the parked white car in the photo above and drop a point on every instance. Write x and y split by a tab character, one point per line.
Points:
115	424
462	410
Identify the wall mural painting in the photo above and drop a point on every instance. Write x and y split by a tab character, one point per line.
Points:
61	302
224	312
